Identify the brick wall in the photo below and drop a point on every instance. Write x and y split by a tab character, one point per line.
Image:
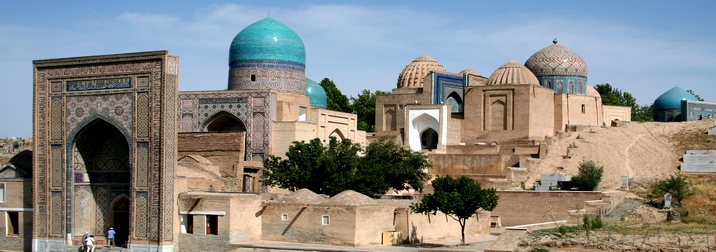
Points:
527	207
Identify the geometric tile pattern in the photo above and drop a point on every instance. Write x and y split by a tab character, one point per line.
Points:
101	197
445	86
141	211
283	76
56	121
105	88
57	216
58	171
556	60
199	109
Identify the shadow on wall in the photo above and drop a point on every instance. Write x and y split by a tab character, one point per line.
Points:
23	163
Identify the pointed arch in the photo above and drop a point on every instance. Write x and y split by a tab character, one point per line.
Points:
223	121
337	134
455	102
498	115
420	124
429	139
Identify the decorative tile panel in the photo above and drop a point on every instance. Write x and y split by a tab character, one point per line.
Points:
58	166
57	217
141	210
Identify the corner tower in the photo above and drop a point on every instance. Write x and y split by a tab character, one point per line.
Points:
559	68
267	55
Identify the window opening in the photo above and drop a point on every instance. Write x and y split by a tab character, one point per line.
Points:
13	223
583	109
284	217
2	192
212	224
253	77
325	220
189	224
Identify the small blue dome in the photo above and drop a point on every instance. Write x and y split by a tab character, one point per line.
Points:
267	39
672	99
316	93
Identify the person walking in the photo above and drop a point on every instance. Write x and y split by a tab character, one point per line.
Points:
110	237
90	243
84	241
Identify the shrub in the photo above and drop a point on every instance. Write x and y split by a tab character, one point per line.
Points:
589	176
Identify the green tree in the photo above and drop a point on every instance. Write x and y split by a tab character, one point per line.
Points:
615	97
459	198
644	113
677	185
337	167
589	176
364	107
337	101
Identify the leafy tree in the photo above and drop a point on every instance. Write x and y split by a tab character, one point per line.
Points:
615	97
644	113
459	198
677	185
589	176
337	101
364	107
337	167
694	94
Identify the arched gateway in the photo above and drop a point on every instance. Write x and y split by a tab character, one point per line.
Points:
105	137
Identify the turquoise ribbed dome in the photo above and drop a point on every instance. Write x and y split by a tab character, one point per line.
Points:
267	39
316	93
672	99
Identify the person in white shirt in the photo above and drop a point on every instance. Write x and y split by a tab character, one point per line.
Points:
90	243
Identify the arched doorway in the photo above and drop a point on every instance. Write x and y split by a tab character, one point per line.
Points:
120	211
101	175
224	122
337	134
429	139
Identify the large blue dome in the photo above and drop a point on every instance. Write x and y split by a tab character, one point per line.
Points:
672	99
267	39
316	93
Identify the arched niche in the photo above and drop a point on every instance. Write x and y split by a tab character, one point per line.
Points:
223	122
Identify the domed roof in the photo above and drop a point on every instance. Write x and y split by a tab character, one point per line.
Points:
267	39
591	91
469	71
413	74
350	197
316	93
302	196
672	99
556	60
512	73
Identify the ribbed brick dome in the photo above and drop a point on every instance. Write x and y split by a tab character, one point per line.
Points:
413	74
512	73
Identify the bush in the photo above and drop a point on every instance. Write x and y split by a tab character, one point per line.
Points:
589	176
677	185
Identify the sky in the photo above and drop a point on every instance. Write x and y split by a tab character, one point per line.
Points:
641	47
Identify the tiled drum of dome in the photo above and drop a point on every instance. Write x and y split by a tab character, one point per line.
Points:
267	55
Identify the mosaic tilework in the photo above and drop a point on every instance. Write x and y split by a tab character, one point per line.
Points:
143	115
141	211
443	86
556	60
101	198
169	129
142	170
201	114
256	78
102	106
99	84
258	138
82	214
56	118
58	171
114	104
57	210
154	223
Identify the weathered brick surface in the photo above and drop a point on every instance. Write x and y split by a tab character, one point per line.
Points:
527	207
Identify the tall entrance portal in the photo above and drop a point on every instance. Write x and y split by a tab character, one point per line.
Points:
105	150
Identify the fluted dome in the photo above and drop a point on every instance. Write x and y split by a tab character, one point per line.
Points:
316	93
512	73
267	39
556	60
469	71
413	74
672	99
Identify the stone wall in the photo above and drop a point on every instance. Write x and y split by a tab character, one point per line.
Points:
463	164
224	149
18	200
527	207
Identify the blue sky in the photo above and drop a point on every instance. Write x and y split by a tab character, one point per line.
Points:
641	47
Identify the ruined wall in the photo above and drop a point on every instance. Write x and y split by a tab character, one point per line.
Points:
527	207
304	224
225	149
460	164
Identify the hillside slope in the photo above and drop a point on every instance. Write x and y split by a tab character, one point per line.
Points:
643	151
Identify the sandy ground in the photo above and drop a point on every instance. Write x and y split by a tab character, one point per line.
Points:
641	151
